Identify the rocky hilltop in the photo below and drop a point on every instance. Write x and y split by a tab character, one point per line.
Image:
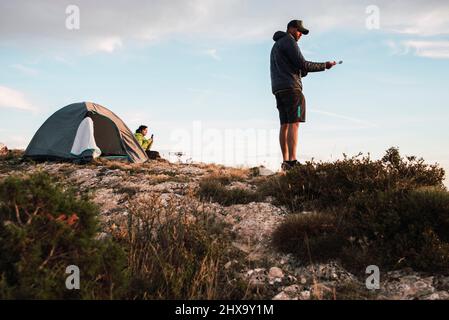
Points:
116	187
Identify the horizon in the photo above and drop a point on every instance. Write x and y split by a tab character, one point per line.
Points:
200	79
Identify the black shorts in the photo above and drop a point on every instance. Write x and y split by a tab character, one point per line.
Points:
291	105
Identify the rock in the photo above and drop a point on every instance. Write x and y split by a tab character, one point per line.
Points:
288	293
275	272
257	277
439	295
331	271
3	149
282	296
275	275
265	172
102	236
293	289
253	222
408	286
304	295
191	170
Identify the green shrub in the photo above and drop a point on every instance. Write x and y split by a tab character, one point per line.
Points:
214	189
322	185
311	237
409	229
43	229
392	212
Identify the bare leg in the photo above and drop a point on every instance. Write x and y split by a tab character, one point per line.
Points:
283	141
292	140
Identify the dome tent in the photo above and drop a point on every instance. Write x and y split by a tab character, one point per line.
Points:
82	131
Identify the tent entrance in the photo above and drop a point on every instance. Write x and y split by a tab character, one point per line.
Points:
107	136
84	145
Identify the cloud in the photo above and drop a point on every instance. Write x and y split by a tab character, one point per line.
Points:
428	49
17	141
213	54
25	70
434	49
365	124
105	25
107	44
10	98
427	19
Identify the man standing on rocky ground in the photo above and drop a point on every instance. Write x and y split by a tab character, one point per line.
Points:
288	66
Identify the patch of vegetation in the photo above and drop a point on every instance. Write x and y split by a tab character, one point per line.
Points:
354	291
169	251
176	252
10	161
13	155
393	212
306	234
320	185
214	189
130	191
44	228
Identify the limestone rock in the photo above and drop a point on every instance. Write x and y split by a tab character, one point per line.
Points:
3	149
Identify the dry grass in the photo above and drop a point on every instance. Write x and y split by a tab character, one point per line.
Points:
234	174
175	251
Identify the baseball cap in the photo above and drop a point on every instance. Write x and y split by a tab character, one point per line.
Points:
299	25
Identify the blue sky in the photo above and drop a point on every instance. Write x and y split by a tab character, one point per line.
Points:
197	72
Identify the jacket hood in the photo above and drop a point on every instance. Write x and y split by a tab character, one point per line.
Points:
278	35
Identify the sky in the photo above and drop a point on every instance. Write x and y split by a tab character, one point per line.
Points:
197	73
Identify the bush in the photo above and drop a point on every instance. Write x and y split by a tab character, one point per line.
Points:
392	212
322	185
214	189
312	237
409	229
15	155
43	229
178	252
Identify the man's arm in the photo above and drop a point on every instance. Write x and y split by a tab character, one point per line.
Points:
311	66
299	62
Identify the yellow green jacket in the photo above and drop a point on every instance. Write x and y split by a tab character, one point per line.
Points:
144	142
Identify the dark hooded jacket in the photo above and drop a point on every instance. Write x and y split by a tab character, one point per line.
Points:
287	64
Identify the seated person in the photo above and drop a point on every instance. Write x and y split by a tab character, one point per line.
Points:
146	143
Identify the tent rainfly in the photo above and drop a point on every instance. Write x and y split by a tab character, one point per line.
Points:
83	131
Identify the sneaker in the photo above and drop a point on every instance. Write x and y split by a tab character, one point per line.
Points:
294	163
285	166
